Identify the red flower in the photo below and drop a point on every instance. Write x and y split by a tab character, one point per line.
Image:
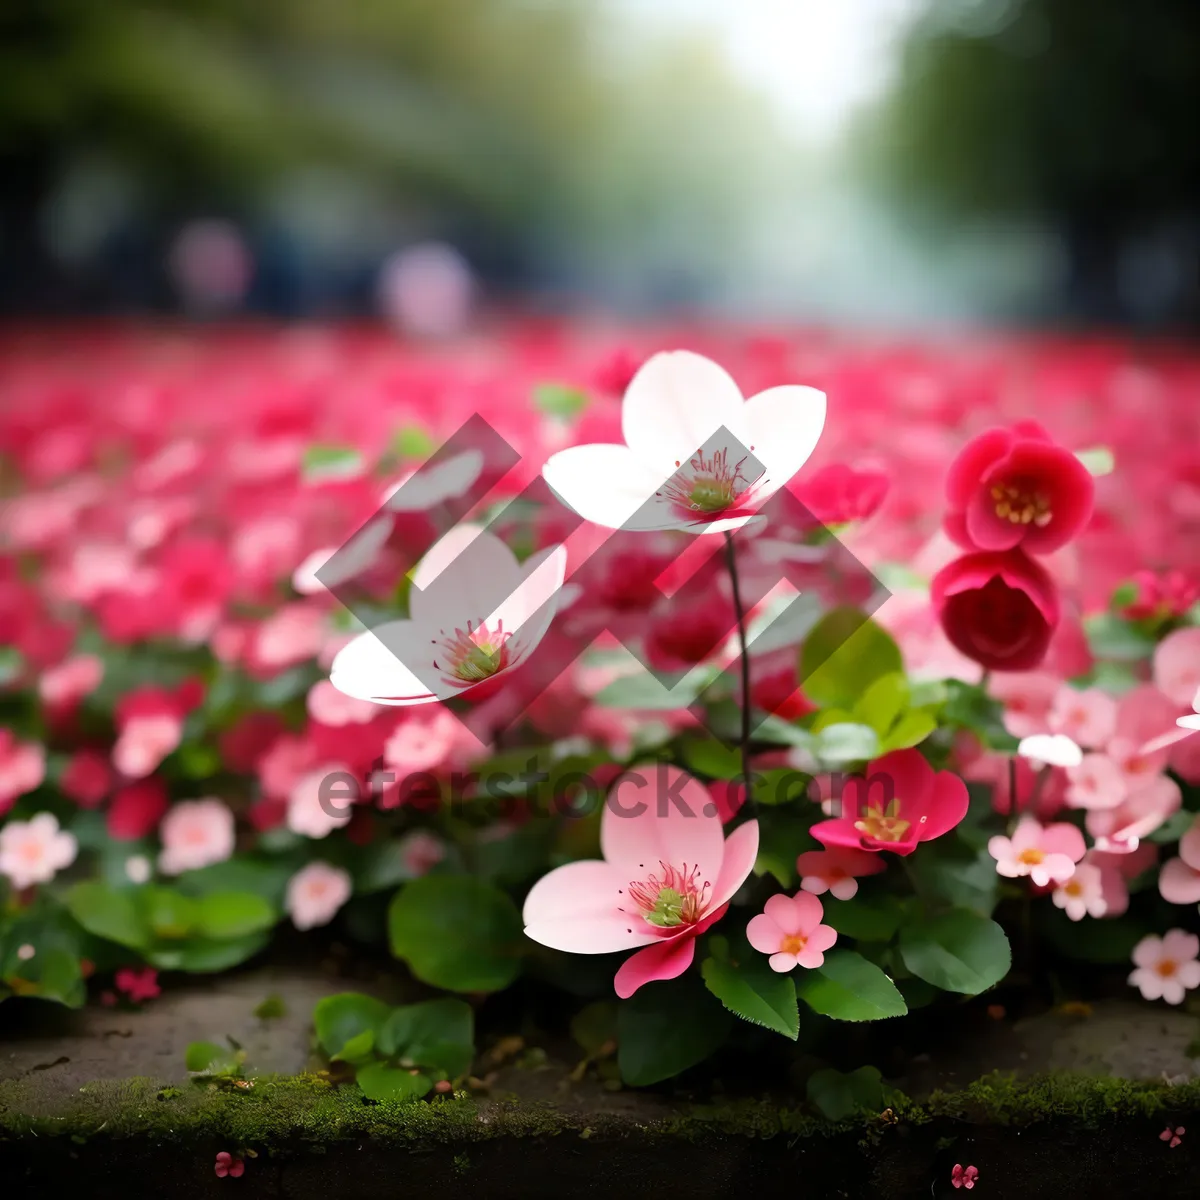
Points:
86	778
839	493
137	809
897	803
138	984
227	1164
964	1176
1001	610
1016	487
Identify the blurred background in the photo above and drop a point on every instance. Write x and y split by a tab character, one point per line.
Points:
866	162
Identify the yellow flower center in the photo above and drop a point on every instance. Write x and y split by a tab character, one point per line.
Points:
1021	507
793	943
883	824
1031	857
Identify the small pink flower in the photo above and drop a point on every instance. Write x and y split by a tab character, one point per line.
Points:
144	743
138	984
70	681
1087	717
836	871
1083	894
34	851
789	929
964	1176
1177	665
331	707
228	1164
320	801
1097	783
1028	698
1166	967
195	834
315	893
421	851
1120	829
22	768
1047	854
424	739
1173	1136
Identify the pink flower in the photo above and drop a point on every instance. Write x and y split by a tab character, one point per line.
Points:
320	801
839	493
331	707
1088	717
292	635
1016	487
1096	783
1028	697
678	470
1083	894
1179	880
1166	967
423	740
72	680
964	1176
195	834
789	929
228	1164
1177	665
899	802
144	743
1120	829
22	768
1160	597
476	615
668	874
836	871
1047	854
34	851
139	984
1173	1136
1000	609
315	893
421	851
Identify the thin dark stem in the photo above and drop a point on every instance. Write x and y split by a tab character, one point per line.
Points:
739	612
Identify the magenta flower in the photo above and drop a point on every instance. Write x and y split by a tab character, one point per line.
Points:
964	1176
1173	1136
899	802
789	929
668	874
138	984
1017	487
228	1164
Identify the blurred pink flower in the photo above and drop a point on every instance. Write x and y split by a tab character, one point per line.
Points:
1166	967
315	893
195	833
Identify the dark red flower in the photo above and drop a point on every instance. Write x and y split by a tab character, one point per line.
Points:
1017	487
1001	610
137	809
138	983
87	778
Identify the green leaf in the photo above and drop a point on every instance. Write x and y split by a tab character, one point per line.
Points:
595	1026
849	988
839	1095
221	915
970	883
558	400
345	1016
58	975
958	951
783	837
436	1033
358	1049
882	703
1098	460
755	993
457	932
708	757
331	462
1111	637
1109	940
911	730
644	691
664	1028
838	745
865	918
170	914
210	1058
1173	828
843	655
412	441
109	913
204	955
381	1082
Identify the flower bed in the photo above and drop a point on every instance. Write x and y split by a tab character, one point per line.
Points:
565	673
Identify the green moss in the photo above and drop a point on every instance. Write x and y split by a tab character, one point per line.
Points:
307	1112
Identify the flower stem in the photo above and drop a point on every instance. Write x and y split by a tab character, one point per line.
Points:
740	614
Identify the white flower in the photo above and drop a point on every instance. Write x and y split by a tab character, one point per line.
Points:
697	456
315	893
138	868
475	614
1051	749
34	851
195	834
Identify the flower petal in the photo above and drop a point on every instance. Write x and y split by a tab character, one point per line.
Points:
666	960
783	425
741	851
763	933
375	666
465	575
605	484
673	406
576	908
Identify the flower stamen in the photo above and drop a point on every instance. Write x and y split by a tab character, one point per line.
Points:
475	653
677	898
